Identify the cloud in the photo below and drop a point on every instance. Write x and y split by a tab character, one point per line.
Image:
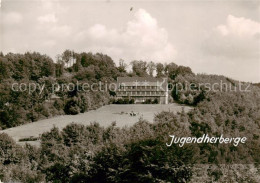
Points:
239	26
12	18
141	38
238	38
49	18
232	48
49	43
60	31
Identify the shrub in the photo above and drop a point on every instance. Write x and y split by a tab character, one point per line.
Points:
71	107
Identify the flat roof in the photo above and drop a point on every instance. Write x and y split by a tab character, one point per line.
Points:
142	81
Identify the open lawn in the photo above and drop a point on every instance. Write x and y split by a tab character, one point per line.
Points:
104	115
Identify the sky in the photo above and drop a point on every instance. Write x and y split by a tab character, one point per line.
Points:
213	37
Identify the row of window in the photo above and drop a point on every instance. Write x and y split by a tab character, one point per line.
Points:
138	87
141	93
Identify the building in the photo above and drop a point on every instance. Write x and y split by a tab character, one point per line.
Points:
143	89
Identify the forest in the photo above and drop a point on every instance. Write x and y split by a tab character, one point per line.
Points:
138	153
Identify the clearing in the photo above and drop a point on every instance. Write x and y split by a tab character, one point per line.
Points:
105	115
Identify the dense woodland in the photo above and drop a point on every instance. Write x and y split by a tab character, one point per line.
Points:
135	154
20	107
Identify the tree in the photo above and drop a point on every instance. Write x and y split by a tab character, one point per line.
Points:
151	68
9	151
189	99
170	70
184	70
4	68
122	66
182	98
139	68
159	69
71	107
66	56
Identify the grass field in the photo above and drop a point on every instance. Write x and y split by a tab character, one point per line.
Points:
104	115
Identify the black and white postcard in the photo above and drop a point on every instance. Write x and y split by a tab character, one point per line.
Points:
121	91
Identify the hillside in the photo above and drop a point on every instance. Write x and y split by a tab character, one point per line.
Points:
28	83
93	153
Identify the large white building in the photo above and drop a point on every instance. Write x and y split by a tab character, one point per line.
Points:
143	89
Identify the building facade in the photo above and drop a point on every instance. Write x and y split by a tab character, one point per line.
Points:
143	89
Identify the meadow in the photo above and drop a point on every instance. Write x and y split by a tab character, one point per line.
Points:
104	116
